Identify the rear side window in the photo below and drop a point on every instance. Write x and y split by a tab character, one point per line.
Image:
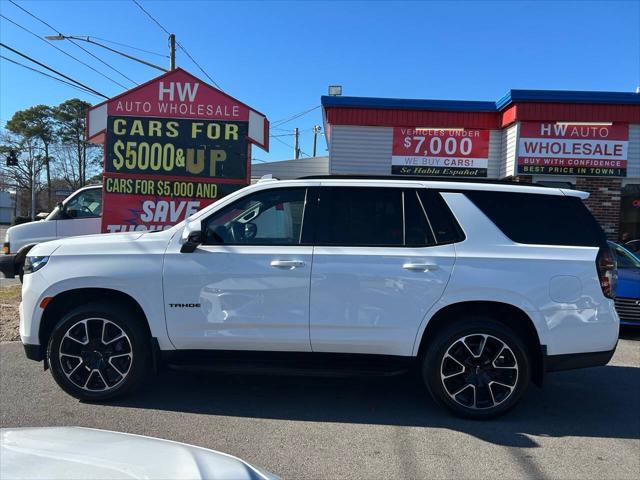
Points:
418	232
540	219
360	217
444	225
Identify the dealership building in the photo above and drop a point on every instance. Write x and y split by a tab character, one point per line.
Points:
572	139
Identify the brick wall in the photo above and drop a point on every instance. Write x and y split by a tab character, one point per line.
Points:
521	179
604	201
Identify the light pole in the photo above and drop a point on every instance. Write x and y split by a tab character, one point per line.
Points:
316	130
172	50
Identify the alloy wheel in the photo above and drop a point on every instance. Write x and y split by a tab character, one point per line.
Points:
96	354
479	371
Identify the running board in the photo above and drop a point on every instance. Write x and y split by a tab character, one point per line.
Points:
289	363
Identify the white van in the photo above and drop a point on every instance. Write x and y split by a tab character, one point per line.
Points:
79	214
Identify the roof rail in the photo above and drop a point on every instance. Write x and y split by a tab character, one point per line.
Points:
267	178
418	178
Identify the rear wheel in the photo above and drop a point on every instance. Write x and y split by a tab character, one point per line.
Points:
99	351
477	368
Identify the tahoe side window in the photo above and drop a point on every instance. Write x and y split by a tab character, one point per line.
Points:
540	219
445	227
360	217
418	232
269	217
384	217
87	204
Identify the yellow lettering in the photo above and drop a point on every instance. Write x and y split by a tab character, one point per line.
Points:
119	126
231	131
196	128
172	129
136	128
213	131
215	156
155	128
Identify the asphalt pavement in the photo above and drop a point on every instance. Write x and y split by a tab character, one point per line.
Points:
583	424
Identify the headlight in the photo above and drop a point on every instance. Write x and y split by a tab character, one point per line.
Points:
33	264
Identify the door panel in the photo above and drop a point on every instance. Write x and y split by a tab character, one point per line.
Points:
376	270
82	214
71	227
247	287
372	300
232	298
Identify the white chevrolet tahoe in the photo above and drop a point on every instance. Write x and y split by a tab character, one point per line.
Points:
79	214
483	287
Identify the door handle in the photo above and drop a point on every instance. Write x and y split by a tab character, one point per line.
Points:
420	267
288	264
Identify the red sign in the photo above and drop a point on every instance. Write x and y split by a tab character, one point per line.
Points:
172	146
573	149
440	152
179	96
134	204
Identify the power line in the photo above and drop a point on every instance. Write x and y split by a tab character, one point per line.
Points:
278	123
131	47
73	42
52	70
198	65
284	143
102	61
153	19
47	75
291	146
32	15
60	50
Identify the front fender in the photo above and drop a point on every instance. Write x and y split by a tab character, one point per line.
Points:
147	293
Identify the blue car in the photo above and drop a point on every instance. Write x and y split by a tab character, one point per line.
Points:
628	289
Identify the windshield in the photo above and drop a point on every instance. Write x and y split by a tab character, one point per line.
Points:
85	203
624	257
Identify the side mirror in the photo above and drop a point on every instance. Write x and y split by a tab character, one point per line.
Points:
62	211
193	238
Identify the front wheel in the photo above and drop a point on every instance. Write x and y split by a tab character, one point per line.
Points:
477	368
98	351
19	269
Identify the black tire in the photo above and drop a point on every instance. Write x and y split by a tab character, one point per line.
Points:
19	268
449	363
102	360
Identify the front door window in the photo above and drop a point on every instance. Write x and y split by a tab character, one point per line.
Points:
272	217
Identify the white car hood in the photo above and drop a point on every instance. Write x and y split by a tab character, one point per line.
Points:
30	233
86	453
98	242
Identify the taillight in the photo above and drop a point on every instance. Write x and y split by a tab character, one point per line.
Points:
6	248
607	271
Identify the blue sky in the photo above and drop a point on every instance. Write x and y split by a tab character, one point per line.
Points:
279	57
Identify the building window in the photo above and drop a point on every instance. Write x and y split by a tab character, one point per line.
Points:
630	212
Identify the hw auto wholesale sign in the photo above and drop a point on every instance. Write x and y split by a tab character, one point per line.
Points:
440	152
573	149
172	147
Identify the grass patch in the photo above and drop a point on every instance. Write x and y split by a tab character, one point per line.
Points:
9	318
10	294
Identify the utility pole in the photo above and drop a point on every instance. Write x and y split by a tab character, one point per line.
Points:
33	190
296	148
172	51
316	130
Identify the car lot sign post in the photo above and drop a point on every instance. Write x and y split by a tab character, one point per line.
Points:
172	146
